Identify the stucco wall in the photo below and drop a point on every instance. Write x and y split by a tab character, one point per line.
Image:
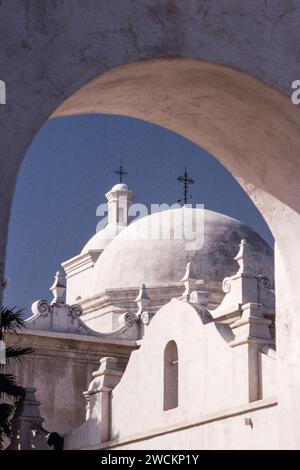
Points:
212	376
229	433
61	369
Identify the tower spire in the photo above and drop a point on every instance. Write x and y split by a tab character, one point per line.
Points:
186	182
121	172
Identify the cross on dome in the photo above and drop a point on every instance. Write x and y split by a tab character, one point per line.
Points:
186	182
121	172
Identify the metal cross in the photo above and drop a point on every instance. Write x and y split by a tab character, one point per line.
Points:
186	182
121	172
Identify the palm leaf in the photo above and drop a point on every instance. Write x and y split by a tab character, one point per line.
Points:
10	387
11	320
6	412
15	352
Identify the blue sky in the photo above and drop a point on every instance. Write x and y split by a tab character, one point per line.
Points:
67	170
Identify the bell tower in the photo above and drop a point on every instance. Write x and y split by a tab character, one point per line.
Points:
119	200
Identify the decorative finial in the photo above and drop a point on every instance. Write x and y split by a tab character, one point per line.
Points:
189	280
142	299
186	182
58	289
245	259
121	172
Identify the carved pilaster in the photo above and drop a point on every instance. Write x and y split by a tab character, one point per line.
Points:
251	333
98	396
248	285
252	327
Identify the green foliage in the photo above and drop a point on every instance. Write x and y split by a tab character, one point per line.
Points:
11	322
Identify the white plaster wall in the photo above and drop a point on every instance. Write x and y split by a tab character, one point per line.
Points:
231	434
288	341
78	273
212	375
61	369
77	286
269	371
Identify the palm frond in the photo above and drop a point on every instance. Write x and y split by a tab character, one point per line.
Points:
9	386
15	352
6	412
12	320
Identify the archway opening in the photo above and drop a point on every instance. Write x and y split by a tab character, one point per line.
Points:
244	123
71	165
251	128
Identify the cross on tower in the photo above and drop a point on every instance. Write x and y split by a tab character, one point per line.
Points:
121	172
186	182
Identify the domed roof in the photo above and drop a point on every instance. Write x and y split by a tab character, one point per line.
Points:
153	251
117	217
120	187
102	238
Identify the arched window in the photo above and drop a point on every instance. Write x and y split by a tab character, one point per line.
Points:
170	376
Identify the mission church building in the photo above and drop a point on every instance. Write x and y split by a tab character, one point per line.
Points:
156	341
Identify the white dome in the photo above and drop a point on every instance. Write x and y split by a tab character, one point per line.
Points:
117	218
135	256
120	187
102	238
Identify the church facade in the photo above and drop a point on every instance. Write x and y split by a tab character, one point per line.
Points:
162	338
